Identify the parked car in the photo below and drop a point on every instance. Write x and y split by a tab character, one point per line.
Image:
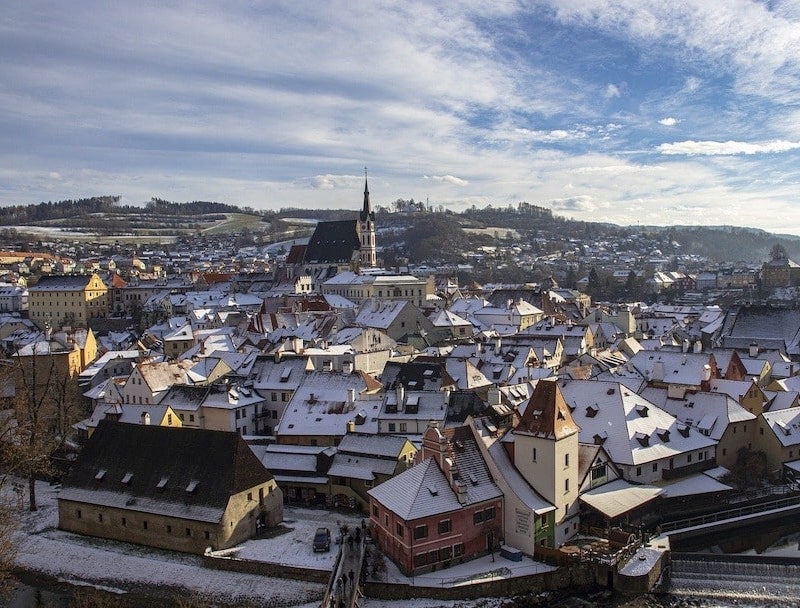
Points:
322	540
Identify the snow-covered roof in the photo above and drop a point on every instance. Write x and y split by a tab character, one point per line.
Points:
616	498
632	429
710	413
785	424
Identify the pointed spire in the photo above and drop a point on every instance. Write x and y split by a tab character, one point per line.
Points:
366	211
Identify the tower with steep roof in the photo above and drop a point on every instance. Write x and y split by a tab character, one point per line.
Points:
368	256
546	453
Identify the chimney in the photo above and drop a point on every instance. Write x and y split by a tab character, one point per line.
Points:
706	373
698	347
753	350
685	346
351	398
145	418
347	367
401	397
494	396
658	371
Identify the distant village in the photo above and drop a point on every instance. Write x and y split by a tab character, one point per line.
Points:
184	397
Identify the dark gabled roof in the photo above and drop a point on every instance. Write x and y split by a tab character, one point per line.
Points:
201	467
61	282
333	243
418	375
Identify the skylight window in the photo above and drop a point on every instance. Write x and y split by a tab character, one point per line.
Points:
162	483
126	479
192	486
100	474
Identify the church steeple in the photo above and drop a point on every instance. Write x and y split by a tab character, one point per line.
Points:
366	227
366	211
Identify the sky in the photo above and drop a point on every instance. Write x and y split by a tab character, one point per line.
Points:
623	111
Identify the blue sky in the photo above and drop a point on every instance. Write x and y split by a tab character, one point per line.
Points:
629	111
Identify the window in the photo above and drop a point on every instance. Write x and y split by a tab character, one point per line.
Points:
638	471
144	525
188	531
124	522
533	455
599	471
78	513
399	530
375	510
419	560
207	534
191	417
445	526
566	459
566	485
655	467
392	427
458	550
403	427
421	532
477	517
274	397
689	458
100	517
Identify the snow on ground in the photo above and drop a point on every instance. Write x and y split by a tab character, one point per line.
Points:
121	567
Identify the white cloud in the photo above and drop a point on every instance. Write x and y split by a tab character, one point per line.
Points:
54	175
725	148
668	122
612	91
575	203
331	182
448	179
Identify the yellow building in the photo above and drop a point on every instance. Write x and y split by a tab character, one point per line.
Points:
57	300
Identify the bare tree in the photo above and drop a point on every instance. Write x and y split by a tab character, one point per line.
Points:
9	495
45	402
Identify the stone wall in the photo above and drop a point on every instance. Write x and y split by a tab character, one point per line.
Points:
230	564
577	579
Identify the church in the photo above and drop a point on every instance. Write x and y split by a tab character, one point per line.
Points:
336	246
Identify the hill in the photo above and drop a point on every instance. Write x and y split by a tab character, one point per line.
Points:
409	231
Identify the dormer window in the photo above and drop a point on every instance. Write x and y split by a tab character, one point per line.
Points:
591	411
642	410
663	435
644	440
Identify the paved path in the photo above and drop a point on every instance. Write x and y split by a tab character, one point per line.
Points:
343	591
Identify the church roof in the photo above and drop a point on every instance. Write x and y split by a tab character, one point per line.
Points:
333	243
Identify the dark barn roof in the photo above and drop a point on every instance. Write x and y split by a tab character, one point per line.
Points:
190	467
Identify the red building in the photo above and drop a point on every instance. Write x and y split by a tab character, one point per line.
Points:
444	510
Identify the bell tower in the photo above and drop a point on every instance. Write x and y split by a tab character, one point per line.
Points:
368	256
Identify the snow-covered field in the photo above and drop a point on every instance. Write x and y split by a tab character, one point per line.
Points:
121	567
